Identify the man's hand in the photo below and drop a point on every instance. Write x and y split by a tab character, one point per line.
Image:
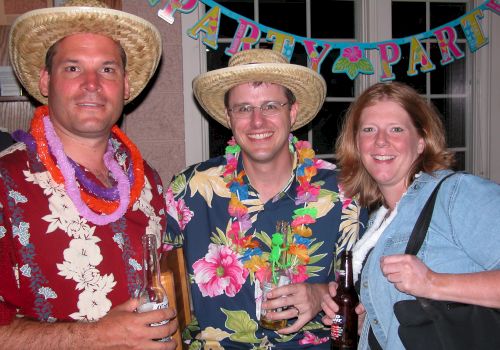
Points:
300	300
121	328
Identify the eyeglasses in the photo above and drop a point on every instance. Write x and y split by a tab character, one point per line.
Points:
268	109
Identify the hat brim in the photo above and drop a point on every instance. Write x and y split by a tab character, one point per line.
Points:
33	33
308	87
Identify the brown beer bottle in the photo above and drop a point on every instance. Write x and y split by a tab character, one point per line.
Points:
344	332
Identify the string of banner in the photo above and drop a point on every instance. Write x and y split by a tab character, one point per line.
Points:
352	59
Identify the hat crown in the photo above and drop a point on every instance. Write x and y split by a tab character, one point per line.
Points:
86	3
256	56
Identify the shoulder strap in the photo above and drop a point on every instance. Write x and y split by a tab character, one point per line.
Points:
420	230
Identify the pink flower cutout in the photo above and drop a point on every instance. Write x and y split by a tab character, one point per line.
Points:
353	54
184	215
301	274
219	272
310	338
178	209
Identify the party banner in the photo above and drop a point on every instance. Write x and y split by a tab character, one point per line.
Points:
352	59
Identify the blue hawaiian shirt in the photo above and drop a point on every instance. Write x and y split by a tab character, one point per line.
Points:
224	280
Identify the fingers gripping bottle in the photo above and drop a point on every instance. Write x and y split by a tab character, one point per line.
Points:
344	332
152	294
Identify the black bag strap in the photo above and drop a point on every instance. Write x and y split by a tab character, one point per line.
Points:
420	230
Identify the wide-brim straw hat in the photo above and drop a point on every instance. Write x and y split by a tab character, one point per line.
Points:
261	65
34	32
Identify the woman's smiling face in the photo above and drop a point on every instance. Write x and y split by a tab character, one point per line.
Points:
389	144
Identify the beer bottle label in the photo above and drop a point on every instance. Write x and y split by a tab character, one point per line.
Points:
337	327
155	306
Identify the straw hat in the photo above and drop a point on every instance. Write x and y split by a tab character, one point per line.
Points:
34	32
261	65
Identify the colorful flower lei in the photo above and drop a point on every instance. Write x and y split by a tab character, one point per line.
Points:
306	193
91	186
71	186
98	205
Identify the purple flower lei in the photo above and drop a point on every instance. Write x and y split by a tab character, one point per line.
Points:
71	186
110	194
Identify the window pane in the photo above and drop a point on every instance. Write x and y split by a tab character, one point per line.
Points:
337	84
332	19
326	126
442	13
448	79
408	18
228	26
289	16
459	161
400	71
453	115
217	58
219	135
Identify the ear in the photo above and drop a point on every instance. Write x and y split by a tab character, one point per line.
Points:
228	120
420	145
294	109
126	87
43	83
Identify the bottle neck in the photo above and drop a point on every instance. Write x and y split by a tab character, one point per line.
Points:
345	274
151	264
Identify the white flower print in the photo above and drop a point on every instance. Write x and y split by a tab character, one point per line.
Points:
92	305
43	179
143	203
154	228
63	213
80	229
83	252
2	231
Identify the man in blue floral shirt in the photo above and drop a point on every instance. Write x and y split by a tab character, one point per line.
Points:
224	211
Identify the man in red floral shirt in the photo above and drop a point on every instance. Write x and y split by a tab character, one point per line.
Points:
76	197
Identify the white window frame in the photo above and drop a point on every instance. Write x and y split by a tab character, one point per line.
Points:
484	118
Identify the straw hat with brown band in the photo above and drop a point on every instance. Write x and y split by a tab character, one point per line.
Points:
261	65
34	32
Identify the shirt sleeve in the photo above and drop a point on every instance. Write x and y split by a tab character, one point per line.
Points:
475	218
178	213
8	285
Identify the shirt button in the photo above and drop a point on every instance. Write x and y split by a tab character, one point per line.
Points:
365	284
375	322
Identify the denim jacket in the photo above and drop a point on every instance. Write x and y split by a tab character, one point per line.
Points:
463	237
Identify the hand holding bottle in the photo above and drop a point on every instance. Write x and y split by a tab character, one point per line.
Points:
123	328
152	295
341	310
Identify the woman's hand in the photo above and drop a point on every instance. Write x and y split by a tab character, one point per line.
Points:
408	274
300	300
331	308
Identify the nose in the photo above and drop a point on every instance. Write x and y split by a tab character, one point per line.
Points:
381	139
91	81
257	117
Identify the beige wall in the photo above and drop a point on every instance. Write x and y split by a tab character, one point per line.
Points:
157	124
